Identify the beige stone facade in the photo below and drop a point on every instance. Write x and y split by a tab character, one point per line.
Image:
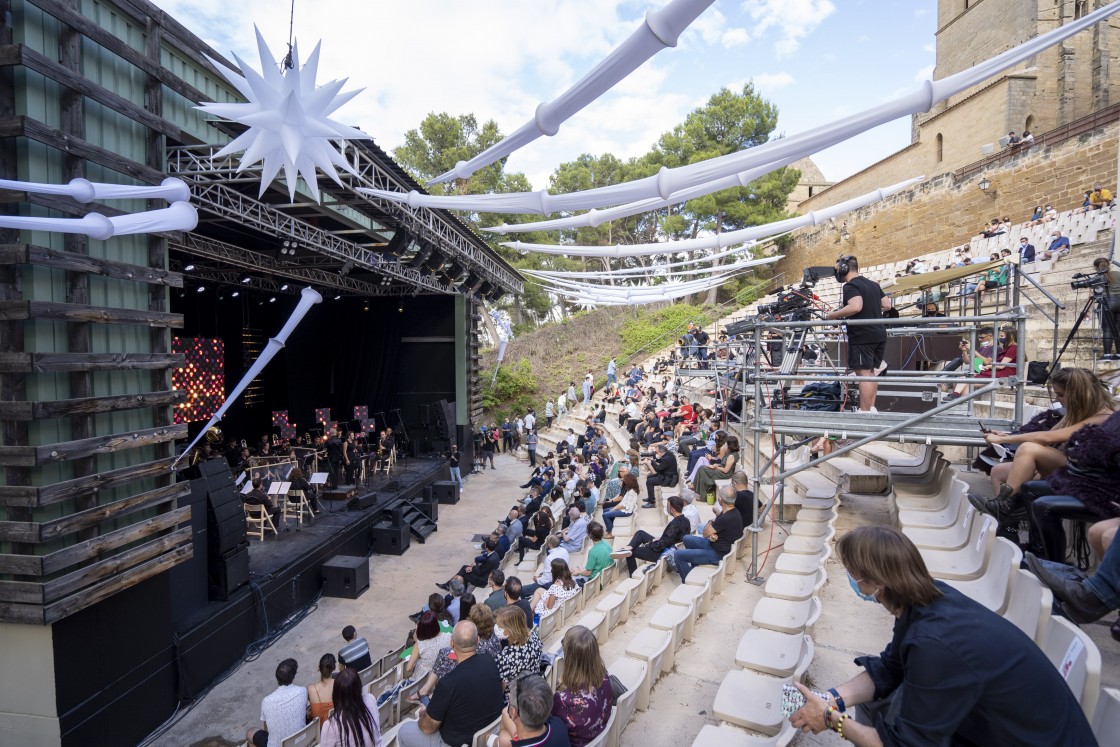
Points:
1061	86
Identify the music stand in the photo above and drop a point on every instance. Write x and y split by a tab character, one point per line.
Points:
317	479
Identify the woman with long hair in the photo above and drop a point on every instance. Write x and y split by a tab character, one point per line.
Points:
319	693
354	721
954	673
540	526
548	601
1087	401
466	604
429	640
521	647
583	698
706	476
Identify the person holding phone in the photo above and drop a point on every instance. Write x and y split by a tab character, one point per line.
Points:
954	673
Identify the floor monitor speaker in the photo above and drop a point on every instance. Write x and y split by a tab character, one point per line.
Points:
390	539
446	491
345	576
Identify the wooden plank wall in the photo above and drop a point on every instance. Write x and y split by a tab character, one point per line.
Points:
95	511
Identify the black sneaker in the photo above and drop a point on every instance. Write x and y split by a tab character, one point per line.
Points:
649	505
415	618
443	586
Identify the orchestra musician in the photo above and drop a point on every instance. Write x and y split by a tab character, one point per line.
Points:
334	457
350	457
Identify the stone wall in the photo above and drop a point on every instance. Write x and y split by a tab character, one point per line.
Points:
944	211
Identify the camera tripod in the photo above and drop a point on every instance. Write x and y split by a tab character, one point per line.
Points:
1100	299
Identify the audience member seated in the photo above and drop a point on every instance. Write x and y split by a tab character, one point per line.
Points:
283	711
521	648
1100	197
598	557
464	701
1005	361
664	473
690	512
1087	599
477	573
624	507
720	469
583	699
543	577
496	599
319	693
571	539
546	602
940	681
354	721
535	534
995	228
488	643
744	497
1087	401
1026	251
643	545
719	535
429	640
355	654
514	599
528	721
1059	246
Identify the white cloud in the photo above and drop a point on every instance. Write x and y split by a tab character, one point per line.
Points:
773	81
792	19
929	48
734	38
924	74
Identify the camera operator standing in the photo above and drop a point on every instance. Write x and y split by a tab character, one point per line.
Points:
863	299
1110	310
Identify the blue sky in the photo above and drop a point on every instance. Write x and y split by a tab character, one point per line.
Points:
817	60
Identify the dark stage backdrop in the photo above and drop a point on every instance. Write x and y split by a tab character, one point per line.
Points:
398	355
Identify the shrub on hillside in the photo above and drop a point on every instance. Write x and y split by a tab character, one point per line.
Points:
513	390
659	328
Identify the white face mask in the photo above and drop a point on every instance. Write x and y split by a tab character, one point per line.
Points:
499	632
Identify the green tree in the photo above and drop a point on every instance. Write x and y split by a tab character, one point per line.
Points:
728	123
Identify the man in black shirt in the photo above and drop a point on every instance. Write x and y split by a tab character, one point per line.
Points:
643	545
719	535
863	299
744	496
665	473
453	463
466	699
513	597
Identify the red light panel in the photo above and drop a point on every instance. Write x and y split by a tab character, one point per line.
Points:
202	377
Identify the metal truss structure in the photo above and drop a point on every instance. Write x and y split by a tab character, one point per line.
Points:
271	273
210	178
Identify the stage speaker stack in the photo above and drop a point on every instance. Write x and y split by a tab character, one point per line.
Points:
390	538
428	504
361	502
345	576
446	491
227	544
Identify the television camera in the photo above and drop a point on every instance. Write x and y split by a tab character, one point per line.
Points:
1094	280
794	303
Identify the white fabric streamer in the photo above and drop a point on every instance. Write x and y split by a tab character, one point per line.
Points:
719	240
669	181
308	298
83	190
659	31
652	269
179	216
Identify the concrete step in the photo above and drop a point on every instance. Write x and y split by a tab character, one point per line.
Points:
853	476
894	460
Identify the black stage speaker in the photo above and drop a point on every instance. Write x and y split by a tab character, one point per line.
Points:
225	521
345	576
229	573
389	539
360	502
189	579
428	504
425	415
446	491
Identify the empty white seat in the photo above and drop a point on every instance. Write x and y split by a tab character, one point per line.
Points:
1030	604
785	616
1077	658
632	673
953	512
687	595
673	618
817	515
616	607
779	654
804	565
596	622
968	562
655	648
1106	719
305	737
952	537
794	587
808	545
701	574
751	700
993	589
726	735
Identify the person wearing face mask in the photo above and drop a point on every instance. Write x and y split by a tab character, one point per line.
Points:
1059	246
863	299
954	672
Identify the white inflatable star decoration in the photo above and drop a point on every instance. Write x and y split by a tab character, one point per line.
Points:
288	119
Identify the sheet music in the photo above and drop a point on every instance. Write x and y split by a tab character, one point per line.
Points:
246	488
319	478
274	488
240	479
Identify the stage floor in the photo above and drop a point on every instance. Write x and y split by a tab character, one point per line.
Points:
276	552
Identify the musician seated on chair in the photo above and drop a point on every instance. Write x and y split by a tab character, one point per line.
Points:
299	482
257	497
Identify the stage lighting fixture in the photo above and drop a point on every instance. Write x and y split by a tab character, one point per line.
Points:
365	306
200	289
400	309
272	300
235	294
338	296
347	267
188	268
284	287
246	280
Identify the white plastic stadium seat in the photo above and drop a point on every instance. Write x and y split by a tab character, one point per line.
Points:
1078	661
